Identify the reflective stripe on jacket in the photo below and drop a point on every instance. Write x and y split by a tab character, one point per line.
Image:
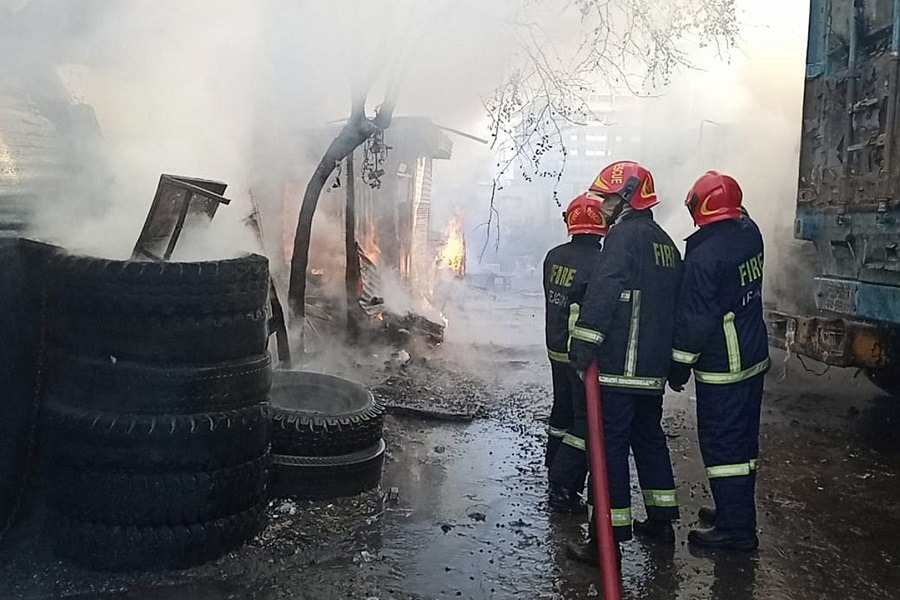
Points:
628	309
567	269
719	319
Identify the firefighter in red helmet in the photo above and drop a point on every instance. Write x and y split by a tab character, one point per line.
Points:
720	335
567	269
625	324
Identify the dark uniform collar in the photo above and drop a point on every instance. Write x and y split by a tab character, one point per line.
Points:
585	239
634	214
707	231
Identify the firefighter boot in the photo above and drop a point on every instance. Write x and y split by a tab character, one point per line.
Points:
707	514
588	551
657	531
724	539
563	500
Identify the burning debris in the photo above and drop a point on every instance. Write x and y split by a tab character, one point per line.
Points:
452	254
399	259
399	324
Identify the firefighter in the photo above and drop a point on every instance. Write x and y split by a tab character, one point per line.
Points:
720	334
567	269
625	324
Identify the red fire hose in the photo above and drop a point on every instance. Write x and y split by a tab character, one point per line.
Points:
599	479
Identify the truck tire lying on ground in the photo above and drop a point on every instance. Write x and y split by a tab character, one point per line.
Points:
887	379
136	388
161	498
155	395
324	477
111	441
326	436
98	286
162	339
321	415
126	548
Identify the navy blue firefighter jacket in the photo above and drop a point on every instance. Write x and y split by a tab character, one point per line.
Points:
628	313
567	269
719	327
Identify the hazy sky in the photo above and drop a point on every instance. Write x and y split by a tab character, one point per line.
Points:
188	87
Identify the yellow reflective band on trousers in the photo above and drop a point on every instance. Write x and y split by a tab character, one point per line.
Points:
574	441
558	356
621	517
735	470
687	358
587	335
731	343
660	498
710	377
752	464
557	433
634	330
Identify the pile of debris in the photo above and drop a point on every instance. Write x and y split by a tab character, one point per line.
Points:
398	327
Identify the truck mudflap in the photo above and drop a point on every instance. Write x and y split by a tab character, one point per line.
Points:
834	340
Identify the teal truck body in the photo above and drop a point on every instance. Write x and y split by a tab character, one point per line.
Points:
848	201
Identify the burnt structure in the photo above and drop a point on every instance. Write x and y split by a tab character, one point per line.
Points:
393	219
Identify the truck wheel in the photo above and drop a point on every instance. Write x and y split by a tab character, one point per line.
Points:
181	339
159	498
91	440
118	548
324	477
95	285
138	389
320	415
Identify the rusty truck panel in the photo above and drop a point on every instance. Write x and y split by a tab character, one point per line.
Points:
848	201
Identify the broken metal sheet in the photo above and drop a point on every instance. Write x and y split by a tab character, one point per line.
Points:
179	202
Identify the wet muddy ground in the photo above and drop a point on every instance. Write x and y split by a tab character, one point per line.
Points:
470	518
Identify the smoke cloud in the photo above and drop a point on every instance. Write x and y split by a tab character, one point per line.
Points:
245	93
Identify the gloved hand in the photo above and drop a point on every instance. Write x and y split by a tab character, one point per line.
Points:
582	354
679	373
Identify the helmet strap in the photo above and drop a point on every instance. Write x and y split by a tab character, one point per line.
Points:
618	211
628	190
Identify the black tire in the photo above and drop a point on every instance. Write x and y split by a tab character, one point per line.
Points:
138	389
161	339
321	415
118	548
19	335
92	440
322	478
167	498
96	285
887	379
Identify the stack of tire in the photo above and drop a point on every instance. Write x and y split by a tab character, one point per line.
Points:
156	379
326	437
18	348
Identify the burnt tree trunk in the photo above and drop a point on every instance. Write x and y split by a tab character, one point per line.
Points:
357	130
351	272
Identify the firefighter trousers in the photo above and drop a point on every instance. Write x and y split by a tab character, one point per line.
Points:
562	411
634	421
728	428
568	467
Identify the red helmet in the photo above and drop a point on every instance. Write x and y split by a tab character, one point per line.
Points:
583	216
714	197
631	181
